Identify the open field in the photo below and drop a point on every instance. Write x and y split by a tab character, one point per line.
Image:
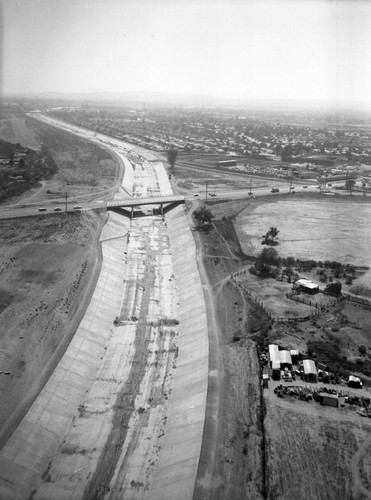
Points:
311	229
16	130
82	166
315	451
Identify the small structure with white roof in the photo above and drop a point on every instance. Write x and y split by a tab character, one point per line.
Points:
305	285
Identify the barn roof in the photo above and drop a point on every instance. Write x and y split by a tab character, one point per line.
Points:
307	284
309	366
285	357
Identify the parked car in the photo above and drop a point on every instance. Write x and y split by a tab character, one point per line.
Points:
275	190
57	209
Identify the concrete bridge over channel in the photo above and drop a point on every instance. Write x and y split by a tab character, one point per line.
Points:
161	205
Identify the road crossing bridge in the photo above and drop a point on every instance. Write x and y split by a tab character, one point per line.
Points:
161	205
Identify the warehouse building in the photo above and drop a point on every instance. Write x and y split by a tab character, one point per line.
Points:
285	360
310	370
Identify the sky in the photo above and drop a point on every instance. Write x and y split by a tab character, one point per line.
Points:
243	49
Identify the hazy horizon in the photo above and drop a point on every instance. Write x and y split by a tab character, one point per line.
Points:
312	50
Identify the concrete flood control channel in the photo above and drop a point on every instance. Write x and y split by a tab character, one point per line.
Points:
122	415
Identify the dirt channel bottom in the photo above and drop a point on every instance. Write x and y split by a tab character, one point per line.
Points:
47	272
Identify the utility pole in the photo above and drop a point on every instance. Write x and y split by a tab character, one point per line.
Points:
250	186
66	201
207	183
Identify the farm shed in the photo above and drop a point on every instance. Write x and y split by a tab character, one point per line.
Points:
310	370
354	382
273	354
328	399
294	356
306	286
285	359
333	289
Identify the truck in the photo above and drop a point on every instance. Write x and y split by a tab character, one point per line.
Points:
276	370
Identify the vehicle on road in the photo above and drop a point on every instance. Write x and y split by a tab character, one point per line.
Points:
195	194
304	187
275	190
212	194
77	207
42	209
57	209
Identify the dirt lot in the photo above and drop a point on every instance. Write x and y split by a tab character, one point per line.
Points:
48	269
315	451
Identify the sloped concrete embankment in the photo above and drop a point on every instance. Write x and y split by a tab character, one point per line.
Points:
176	471
26	458
128	179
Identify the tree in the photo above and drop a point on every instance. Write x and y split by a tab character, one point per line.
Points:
172	155
287	152
270	237
349	184
268	263
203	216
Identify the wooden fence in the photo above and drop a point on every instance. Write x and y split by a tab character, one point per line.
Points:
272	316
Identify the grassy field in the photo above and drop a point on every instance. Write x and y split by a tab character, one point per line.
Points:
311	229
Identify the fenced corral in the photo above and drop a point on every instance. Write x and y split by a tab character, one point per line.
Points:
364	301
313	302
319	303
254	297
271	314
